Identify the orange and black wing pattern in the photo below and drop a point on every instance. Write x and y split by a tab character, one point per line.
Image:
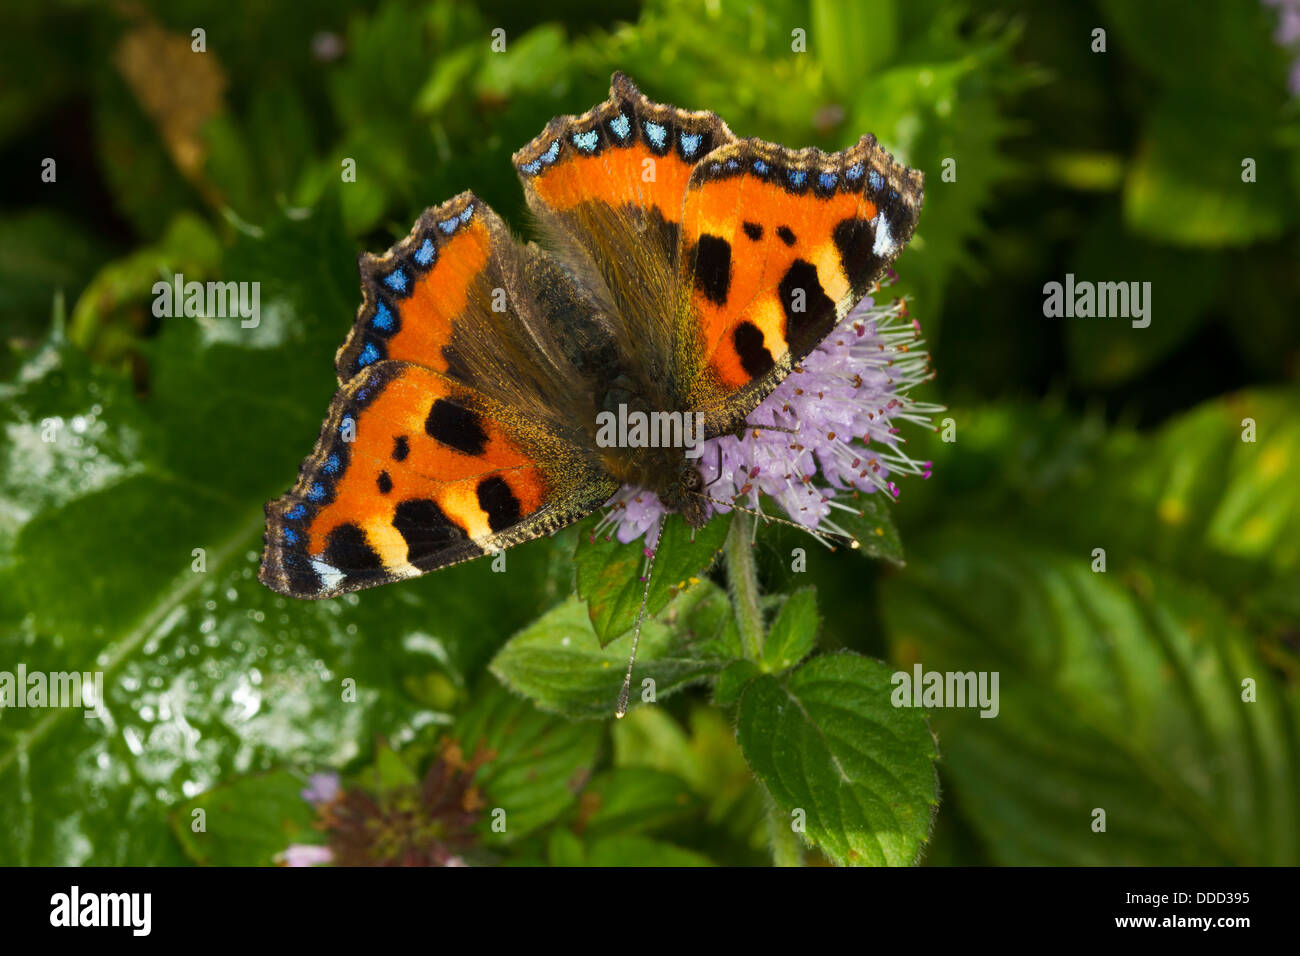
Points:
607	190
446	439
776	247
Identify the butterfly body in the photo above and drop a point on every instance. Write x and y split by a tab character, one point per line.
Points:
682	273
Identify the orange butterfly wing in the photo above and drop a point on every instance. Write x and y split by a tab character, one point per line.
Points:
438	447
776	247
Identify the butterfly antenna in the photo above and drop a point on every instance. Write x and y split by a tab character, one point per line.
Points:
623	695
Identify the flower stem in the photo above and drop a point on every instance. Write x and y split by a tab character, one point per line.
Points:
743	581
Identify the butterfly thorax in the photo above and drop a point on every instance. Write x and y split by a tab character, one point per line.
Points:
643	447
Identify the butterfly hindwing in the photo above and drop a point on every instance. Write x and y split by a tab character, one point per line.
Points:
414	471
776	246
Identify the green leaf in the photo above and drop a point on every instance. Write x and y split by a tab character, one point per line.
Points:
1120	691
641	851
629	800
207	674
827	741
568	850
1186	187
609	574
558	663
872	526
247	822
853	40
793	633
732	681
391	771
539	763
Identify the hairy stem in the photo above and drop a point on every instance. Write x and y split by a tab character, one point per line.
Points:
743	581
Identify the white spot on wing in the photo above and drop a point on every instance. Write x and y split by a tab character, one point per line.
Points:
330	576
884	241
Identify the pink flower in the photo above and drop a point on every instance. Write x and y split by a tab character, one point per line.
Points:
831	427
321	788
306	854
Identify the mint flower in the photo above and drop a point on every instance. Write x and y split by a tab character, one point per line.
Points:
429	824
830	428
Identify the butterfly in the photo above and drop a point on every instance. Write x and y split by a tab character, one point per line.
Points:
679	270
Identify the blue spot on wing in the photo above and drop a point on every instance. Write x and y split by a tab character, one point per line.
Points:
657	134
690	143
383	320
854	172
797	177
396	280
316	492
761	167
621	126
588	141
332	464
876	180
551	153
827	180
532	168
290	536
424	255
449	225
296	512
467	213
369	355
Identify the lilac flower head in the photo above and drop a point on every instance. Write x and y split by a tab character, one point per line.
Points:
830	428
306	854
322	788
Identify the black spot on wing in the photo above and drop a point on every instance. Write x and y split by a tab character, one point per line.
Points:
347	549
755	359
713	268
805	302
384	482
786	234
753	230
426	528
401	448
854	239
498	503
456	427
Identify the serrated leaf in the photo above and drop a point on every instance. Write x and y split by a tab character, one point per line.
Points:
794	632
609	573
826	740
732	681
558	663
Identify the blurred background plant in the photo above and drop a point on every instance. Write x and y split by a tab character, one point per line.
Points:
1166	149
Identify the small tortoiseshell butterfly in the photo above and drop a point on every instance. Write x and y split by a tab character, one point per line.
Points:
681	269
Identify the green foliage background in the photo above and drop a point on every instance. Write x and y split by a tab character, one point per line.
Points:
1120	690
